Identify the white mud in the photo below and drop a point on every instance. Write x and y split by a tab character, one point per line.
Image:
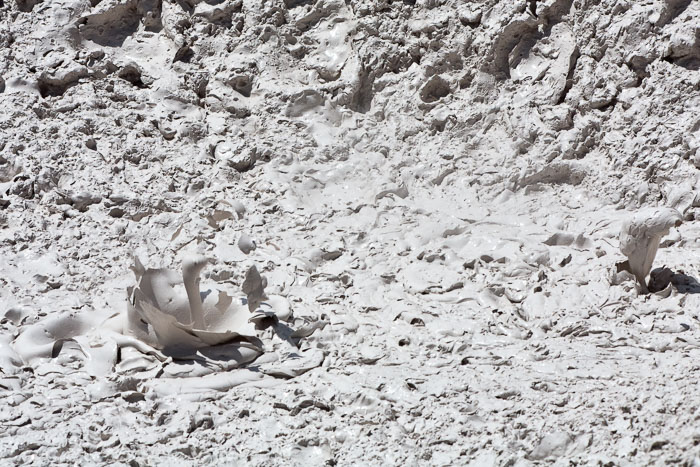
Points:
434	190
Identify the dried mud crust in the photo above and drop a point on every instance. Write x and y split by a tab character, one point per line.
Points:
436	187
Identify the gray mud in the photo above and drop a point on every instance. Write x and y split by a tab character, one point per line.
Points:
433	189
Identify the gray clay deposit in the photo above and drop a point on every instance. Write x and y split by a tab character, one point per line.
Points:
359	232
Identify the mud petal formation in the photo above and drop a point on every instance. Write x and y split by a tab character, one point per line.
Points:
165	317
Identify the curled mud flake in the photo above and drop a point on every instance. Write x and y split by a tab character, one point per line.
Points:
254	288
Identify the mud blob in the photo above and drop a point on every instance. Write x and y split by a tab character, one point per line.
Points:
160	314
640	238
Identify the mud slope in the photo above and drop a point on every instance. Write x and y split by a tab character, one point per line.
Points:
432	190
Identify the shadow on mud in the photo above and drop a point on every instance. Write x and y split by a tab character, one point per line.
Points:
660	278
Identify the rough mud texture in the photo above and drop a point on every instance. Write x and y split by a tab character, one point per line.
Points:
437	188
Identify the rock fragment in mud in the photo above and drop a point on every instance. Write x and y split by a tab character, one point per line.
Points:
238	156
